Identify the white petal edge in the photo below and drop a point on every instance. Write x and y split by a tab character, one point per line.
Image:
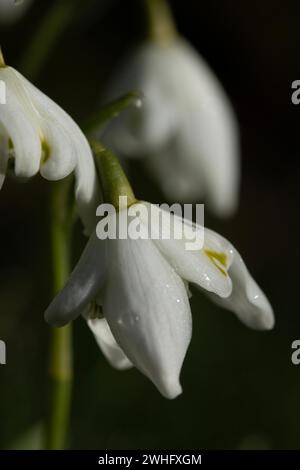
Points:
193	266
243	296
147	308
108	344
3	154
82	286
247	300
20	120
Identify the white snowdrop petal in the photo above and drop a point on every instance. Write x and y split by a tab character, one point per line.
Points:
82	286
147	308
108	344
19	118
3	154
87	189
44	137
60	159
79	154
213	241
199	267
247	300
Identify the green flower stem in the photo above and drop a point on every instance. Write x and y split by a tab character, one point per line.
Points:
161	27
60	367
114	181
50	29
2	62
102	117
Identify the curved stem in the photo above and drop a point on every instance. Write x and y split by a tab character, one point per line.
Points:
116	187
110	111
60	366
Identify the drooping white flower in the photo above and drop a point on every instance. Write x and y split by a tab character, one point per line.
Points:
41	137
186	127
13	10
141	289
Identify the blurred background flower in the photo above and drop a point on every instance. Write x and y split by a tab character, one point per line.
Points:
185	129
12	11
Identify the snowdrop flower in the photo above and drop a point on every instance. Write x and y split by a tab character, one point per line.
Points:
138	290
13	10
186	127
41	137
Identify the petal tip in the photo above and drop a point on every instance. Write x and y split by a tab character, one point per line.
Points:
170	387
268	321
261	320
55	317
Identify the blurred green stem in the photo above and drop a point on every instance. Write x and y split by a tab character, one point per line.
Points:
161	27
43	40
60	367
105	114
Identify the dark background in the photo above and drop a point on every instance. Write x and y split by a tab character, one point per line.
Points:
240	387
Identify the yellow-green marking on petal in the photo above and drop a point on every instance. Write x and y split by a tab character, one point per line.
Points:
218	258
45	151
